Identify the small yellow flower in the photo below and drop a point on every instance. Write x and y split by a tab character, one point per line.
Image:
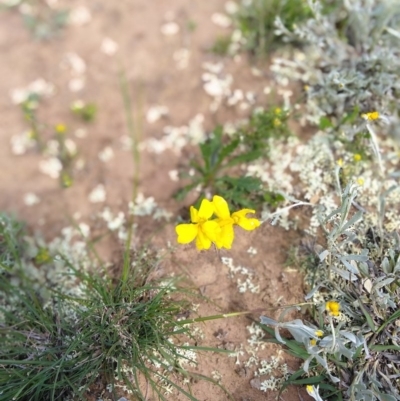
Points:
60	128
371	116
360	181
357	157
333	308
313	391
278	111
277	122
43	256
66	180
218	231
310	389
203	230
313	341
226	221
340	163
32	134
244	222
319	333
306	88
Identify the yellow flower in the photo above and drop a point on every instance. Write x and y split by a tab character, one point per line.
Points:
241	220
310	389
333	308
60	128
313	341
357	157
340	163
226	221
371	116
218	231
360	181
202	229
277	122
319	333
313	391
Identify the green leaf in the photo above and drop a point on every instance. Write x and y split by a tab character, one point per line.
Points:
393	317
210	149
228	149
381	347
273	198
325	123
368	317
244	158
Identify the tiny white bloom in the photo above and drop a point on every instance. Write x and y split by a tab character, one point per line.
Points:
31	199
79	16
173	175
155	113
81	133
76	84
98	194
51	167
170	29
231	7
221	20
109	46
106	154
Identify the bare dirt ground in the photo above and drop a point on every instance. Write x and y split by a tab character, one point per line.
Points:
147	57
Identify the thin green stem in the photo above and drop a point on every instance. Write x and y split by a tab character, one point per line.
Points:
134	135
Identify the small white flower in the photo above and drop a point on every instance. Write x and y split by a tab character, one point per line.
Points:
106	154
31	199
170	29
221	20
75	63
70	146
21	143
84	229
79	16
108	46
51	167
252	251
173	175
76	84
231	7
98	194
81	133
214	68
155	113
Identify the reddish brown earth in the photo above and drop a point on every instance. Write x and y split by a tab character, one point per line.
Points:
146	56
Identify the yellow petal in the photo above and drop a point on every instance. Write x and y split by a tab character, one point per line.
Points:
186	233
221	207
194	215
244	222
206	209
202	241
225	238
210	229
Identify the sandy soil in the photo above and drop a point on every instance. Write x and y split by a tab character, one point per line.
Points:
146	56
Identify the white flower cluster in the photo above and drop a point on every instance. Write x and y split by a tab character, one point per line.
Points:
245	284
